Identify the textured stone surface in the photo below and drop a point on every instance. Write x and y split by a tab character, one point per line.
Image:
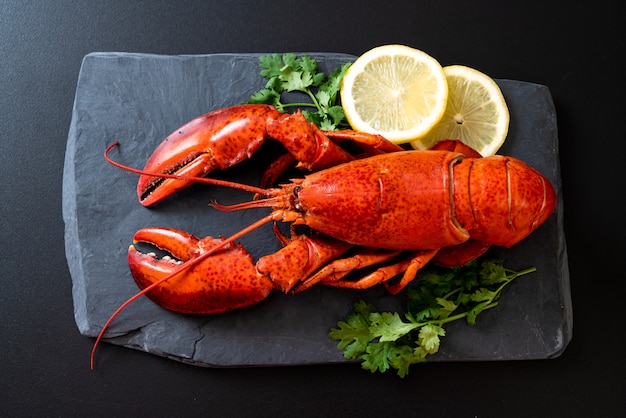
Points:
139	99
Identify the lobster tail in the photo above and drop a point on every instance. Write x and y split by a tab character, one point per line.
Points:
479	188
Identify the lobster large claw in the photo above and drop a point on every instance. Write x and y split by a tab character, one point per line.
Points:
223	281
218	139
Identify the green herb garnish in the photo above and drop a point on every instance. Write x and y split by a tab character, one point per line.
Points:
287	73
384	340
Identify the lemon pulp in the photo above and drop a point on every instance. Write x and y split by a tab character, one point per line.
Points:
395	91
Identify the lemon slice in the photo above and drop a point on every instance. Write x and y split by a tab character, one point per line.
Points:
395	91
476	114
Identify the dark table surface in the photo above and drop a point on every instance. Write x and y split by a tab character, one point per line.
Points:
574	48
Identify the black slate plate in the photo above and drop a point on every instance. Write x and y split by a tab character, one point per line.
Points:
138	99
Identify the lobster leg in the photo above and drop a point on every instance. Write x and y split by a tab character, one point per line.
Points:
415	263
409	265
314	148
276	168
454	145
332	273
461	254
371	143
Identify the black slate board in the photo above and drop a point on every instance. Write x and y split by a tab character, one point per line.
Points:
138	99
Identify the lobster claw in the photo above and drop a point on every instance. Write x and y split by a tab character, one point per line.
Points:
218	139
203	288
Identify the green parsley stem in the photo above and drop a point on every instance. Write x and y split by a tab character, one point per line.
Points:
516	274
512	275
314	100
452	318
452	292
300	105
459	315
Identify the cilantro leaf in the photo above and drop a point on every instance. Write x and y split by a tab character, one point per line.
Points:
377	356
447	307
337	114
389	326
354	334
492	272
291	61
404	356
272	65
428	337
309	64
483	294
266	96
333	84
324	99
296	80
353	339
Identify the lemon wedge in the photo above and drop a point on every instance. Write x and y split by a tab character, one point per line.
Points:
476	113
395	91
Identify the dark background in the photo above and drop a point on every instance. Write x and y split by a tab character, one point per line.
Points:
573	47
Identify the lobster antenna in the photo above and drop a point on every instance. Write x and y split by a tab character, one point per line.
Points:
215	182
274	216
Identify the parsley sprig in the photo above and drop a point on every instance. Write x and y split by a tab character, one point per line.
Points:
288	73
384	340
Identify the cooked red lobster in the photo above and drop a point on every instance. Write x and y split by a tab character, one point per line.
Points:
382	207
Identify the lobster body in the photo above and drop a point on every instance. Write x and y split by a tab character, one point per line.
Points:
395	201
420	200
388	208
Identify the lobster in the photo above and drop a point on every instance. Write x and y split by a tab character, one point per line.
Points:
380	209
